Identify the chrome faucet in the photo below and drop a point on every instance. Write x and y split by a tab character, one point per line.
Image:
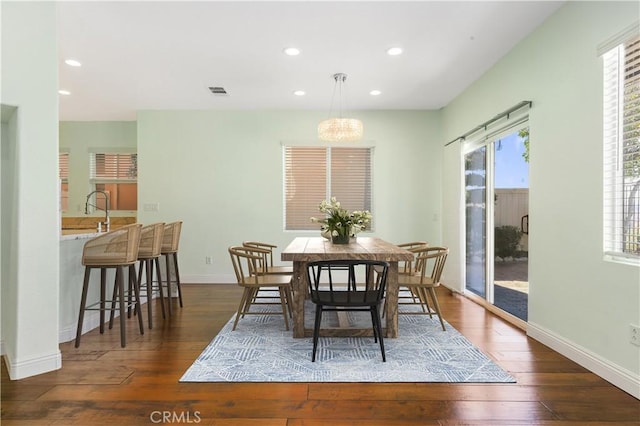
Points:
106	222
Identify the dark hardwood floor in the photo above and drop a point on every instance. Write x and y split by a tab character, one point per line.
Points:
101	383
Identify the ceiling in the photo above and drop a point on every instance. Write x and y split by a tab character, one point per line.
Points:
165	55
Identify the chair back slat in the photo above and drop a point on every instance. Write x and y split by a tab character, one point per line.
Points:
432	260
151	237
245	264
117	247
171	237
411	266
347	282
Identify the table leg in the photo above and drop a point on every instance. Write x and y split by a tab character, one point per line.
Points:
391	313
299	282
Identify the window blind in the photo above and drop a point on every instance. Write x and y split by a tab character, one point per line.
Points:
621	156
113	167
63	166
313	174
351	177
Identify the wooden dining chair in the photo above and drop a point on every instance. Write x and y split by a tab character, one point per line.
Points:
360	291
266	266
245	262
424	283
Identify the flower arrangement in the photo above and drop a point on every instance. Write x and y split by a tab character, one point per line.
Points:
339	224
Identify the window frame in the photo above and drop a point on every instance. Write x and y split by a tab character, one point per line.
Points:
114	176
312	206
616	145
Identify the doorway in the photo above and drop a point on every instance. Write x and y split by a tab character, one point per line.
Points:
496	173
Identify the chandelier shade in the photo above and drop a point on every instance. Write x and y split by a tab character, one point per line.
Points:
340	129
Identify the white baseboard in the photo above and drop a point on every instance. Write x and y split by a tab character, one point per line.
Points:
616	375
32	367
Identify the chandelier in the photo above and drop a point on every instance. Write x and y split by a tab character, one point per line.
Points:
339	129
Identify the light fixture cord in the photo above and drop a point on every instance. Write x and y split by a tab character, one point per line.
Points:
339	78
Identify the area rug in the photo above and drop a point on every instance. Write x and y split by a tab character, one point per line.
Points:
261	350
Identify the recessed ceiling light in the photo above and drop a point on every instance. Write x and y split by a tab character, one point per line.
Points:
375	92
299	93
394	51
73	63
292	51
64	92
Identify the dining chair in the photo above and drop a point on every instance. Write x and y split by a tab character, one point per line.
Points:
266	266
409	267
424	283
360	291
245	262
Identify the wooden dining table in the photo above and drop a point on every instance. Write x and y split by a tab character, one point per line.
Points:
308	249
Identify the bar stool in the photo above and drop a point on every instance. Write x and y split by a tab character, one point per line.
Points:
149	256
169	250
115	249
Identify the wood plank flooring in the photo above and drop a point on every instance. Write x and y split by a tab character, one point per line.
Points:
103	384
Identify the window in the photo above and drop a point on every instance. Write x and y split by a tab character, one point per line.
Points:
313	174
117	175
622	149
63	175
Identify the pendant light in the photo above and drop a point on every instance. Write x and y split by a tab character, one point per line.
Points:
339	129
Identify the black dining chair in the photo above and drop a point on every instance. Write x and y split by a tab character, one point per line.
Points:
347	285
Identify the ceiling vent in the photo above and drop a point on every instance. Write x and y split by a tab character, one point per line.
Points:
218	91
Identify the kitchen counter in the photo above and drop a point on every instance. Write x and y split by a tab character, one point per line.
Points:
77	234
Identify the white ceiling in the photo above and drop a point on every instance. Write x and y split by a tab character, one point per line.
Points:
164	55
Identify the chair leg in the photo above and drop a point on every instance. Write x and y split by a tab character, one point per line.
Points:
246	295
120	284
83	303
175	264
316	331
436	305
378	326
148	268
160	290
283	303
136	296
103	291
168	284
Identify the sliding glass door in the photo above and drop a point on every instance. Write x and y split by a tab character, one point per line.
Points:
496	179
475	173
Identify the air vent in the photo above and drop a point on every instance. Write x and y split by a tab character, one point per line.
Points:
218	91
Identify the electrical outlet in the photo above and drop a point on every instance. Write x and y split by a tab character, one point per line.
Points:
634	332
151	207
208	260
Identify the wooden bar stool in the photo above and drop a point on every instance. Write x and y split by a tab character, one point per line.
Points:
115	249
149	256
170	242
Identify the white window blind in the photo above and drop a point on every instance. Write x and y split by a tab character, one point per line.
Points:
621	137
63	174
113	167
313	174
63	166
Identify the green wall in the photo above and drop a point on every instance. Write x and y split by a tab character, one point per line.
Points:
221	173
78	138
30	235
579	304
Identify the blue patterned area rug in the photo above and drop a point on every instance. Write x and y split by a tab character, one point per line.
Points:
261	350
